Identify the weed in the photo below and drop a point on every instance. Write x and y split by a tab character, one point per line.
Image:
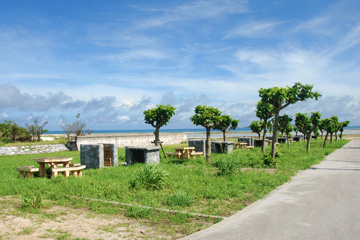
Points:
151	177
226	167
268	161
179	199
31	201
25	231
138	212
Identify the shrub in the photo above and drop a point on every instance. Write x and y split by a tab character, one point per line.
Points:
226	167
150	177
179	199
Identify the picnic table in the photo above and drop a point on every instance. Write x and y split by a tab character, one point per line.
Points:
185	152
53	162
243	145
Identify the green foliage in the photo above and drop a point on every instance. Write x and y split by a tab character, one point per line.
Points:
208	117
256	127
11	132
226	123
280	98
138	212
285	125
179	199
159	116
150	177
226	167
267	160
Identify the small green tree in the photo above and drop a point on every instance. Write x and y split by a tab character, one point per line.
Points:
159	117
307	125
208	117
265	112
280	98
285	126
343	125
226	123
329	125
256	127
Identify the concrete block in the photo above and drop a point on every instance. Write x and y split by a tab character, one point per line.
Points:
199	145
222	147
258	143
142	154
282	140
92	155
248	140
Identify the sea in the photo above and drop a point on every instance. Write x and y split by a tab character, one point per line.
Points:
187	130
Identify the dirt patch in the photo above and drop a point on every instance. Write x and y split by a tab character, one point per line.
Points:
67	223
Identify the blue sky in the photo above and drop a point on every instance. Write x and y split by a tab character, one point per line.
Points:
111	60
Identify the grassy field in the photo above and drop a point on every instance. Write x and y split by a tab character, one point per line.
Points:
227	185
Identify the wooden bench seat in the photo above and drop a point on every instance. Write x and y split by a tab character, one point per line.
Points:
74	170
27	171
197	154
249	147
176	154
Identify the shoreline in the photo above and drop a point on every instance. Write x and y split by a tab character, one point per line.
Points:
190	135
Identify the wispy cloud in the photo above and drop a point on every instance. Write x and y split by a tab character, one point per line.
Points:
252	29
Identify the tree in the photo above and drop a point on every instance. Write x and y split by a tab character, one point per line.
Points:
285	126
256	127
226	123
343	125
280	98
78	126
159	117
321	129
37	129
327	126
207	117
264	111
75	127
307	125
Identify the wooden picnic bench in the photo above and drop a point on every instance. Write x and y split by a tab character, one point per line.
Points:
74	170
27	171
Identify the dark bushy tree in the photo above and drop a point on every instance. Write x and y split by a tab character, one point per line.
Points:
208	117
307	125
226	123
265	112
280	98
159	117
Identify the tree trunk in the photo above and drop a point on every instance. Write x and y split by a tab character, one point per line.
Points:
331	137
341	133
275	129
259	135
157	137
308	142
208	144
224	135
264	137
288	142
336	136
326	136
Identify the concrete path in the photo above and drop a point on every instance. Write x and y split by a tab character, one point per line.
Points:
320	203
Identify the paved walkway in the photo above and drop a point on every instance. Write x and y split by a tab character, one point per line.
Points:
320	203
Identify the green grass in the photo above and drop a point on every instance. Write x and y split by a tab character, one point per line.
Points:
220	188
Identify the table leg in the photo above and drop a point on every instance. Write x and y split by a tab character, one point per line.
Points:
42	169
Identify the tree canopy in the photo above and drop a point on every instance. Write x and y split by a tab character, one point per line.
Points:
208	117
280	98
158	117
226	123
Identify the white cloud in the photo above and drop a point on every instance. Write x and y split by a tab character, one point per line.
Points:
252	29
123	118
4	115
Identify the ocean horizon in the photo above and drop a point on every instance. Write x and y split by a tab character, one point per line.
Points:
191	130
